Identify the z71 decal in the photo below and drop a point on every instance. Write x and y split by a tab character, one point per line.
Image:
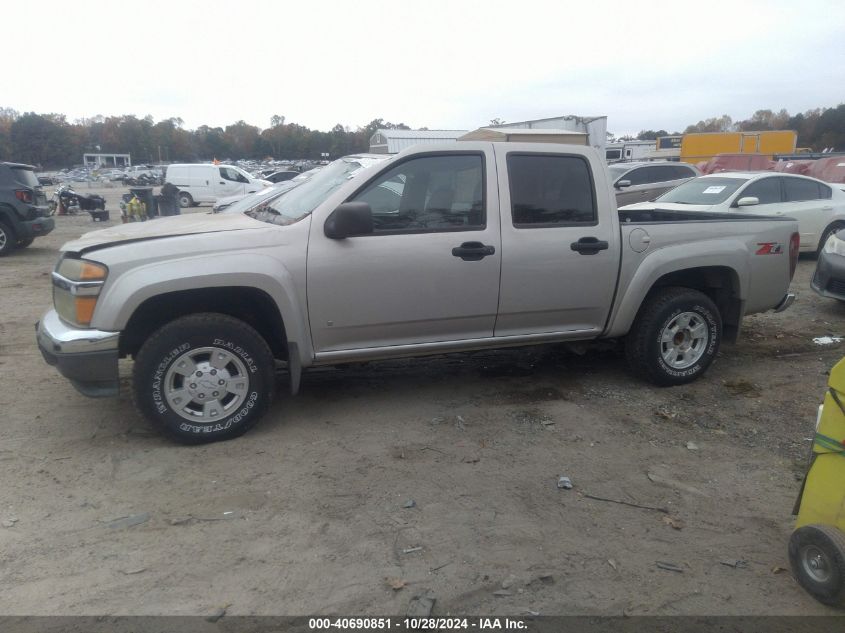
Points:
769	248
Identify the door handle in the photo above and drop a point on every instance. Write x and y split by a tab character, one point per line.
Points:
589	245
222	183
473	251
827	208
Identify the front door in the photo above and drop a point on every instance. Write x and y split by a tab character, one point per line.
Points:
229	182
560	255
429	272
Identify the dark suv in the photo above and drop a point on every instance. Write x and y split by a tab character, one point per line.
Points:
24	212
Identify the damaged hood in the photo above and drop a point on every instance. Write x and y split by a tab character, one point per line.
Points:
189	224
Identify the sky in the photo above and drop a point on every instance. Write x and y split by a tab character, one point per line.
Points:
426	63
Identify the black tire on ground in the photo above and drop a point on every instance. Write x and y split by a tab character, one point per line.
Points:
817	558
833	228
662	313
26	242
8	241
204	378
185	200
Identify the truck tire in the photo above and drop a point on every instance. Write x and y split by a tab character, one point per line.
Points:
8	241
185	200
817	558
675	336
204	378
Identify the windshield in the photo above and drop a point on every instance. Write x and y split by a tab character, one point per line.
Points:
302	200
254	199
703	191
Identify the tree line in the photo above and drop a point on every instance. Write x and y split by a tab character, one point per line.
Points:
51	141
818	129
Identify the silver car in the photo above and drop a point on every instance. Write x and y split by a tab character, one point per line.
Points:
641	182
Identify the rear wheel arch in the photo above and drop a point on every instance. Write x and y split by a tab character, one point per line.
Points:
720	283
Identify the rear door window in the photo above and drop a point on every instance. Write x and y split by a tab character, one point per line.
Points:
550	191
798	189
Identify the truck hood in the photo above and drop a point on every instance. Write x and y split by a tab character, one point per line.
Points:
667	206
189	224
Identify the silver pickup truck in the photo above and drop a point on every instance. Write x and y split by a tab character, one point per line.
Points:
438	249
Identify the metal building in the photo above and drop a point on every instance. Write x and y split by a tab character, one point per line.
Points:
594	126
394	141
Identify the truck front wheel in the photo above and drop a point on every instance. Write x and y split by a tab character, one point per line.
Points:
675	336
204	378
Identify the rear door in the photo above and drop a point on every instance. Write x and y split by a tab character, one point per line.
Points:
429	272
560	251
807	201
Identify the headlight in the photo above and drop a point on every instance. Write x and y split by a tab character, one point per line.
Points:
834	245
76	288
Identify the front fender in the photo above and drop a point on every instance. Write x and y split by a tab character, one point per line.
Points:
122	296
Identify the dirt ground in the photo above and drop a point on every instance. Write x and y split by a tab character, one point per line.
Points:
307	513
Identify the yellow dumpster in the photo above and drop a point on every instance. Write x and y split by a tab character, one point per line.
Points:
817	546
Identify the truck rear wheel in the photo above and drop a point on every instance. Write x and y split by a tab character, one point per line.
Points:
817	558
204	378
675	336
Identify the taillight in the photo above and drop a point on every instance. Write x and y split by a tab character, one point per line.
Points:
24	195
794	243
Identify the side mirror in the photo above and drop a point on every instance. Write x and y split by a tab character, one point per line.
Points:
348	220
748	201
621	184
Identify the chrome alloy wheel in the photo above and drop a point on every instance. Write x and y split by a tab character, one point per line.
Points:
684	340
816	564
206	384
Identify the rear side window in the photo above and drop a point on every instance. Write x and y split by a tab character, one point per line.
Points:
825	192
798	189
550	190
767	191
613	154
25	177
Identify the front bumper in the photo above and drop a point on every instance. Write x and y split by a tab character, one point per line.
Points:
829	278
88	358
35	228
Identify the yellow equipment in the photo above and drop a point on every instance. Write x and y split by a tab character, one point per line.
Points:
817	546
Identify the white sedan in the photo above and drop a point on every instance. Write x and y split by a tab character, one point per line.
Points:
818	207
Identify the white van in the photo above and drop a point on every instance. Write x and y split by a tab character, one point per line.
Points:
206	183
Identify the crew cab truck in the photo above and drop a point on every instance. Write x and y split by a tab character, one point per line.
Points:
435	250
